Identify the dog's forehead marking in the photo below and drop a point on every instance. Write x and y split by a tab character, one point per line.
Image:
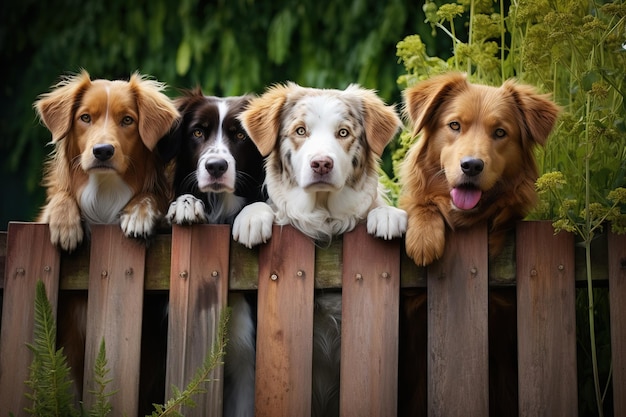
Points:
105	97
327	109
107	90
222	109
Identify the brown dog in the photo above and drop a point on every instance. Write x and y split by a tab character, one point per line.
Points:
474	160
103	169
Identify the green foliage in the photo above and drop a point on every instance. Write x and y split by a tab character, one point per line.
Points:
51	385
102	407
49	373
201	378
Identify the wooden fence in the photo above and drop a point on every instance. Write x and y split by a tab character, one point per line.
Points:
199	265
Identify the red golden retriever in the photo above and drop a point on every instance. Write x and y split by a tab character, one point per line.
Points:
474	161
103	168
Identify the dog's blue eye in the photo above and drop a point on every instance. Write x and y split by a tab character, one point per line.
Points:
500	133
85	118
127	121
455	126
300	131
343	133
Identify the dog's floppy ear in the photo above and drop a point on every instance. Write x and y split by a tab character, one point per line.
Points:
381	121
157	113
170	145
423	99
56	108
261	119
539	112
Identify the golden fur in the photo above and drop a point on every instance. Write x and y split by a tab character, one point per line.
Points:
103	169
462	123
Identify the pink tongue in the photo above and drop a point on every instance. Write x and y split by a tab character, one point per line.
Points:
465	198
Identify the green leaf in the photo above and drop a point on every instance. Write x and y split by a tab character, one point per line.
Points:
183	58
279	36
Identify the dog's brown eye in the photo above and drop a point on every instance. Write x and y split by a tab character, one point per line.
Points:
343	133
85	118
300	131
197	133
127	121
455	126
240	135
500	133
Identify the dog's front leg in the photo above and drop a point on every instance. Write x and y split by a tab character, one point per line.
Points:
386	222
63	217
140	216
186	209
253	225
425	235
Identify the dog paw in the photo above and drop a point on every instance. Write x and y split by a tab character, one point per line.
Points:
425	241
386	222
253	225
67	232
186	209
139	219
64	222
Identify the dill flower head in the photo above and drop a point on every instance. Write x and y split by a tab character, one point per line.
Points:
550	181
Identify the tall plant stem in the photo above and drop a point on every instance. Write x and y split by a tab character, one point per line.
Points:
587	236
470	38
502	40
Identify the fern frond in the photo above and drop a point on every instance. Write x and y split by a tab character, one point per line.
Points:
202	376
49	373
102	406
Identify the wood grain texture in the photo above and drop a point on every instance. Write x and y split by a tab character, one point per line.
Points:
458	366
75	266
114	314
285	325
198	297
30	258
369	333
546	321
617	301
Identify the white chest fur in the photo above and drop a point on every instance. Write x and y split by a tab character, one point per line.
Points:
104	196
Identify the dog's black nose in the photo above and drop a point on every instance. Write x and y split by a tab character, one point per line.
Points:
472	166
103	151
216	168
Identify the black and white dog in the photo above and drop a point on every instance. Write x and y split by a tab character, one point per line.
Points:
218	172
218	168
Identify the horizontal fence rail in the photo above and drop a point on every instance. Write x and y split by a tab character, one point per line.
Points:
199	265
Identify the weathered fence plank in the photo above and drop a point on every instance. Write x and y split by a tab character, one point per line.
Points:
369	333
30	258
194	265
458	366
198	296
617	302
546	321
114	314
285	325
